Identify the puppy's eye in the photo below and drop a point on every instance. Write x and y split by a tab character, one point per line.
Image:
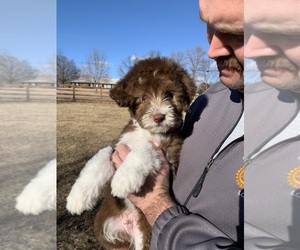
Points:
169	95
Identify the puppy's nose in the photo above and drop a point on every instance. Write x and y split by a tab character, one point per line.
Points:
158	118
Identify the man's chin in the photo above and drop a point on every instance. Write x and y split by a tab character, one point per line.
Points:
236	83
292	84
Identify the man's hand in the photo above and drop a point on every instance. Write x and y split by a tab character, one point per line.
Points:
154	197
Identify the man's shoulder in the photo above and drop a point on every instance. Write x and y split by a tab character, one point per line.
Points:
259	87
216	87
261	90
218	91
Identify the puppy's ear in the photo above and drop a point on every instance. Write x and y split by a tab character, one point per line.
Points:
121	93
189	88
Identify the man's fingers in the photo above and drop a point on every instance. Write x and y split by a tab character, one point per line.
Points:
123	151
116	159
119	155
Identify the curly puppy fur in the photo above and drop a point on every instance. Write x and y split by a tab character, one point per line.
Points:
157	91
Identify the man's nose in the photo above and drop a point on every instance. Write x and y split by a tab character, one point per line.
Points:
260	45
218	47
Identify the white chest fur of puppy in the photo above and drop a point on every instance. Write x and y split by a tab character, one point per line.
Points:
157	91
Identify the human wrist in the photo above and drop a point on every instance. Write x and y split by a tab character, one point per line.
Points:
153	207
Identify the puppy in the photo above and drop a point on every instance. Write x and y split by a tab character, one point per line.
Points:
157	91
39	194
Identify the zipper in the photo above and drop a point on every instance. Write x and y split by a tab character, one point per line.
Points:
250	157
199	184
249	160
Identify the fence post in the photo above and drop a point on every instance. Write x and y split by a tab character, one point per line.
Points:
101	94
73	94
27	93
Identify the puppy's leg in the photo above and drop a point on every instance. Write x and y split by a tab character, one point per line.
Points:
88	187
138	165
40	194
118	225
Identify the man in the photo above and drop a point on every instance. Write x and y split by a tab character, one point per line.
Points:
209	182
272	218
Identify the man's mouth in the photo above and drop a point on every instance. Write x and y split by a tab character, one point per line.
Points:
228	65
226	70
276	66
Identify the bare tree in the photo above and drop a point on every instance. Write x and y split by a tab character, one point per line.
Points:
96	67
179	57
202	87
208	71
66	69
49	69
131	60
200	67
127	64
194	58
13	70
153	53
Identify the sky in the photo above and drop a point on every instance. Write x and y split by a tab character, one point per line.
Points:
35	29
28	30
123	28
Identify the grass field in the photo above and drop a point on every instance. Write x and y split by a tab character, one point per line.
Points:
27	143
30	135
82	129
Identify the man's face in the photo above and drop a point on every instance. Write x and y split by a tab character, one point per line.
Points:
225	29
273	41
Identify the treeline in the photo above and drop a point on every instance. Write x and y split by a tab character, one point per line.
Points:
14	71
97	67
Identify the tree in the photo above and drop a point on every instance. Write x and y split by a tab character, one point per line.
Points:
96	67
13	70
202	87
179	57
127	64
194	58
208	71
131	60
197	64
153	53
66	69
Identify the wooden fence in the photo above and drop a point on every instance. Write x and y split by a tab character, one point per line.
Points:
88	94
27	93
42	93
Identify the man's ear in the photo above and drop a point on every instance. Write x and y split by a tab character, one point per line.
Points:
121	93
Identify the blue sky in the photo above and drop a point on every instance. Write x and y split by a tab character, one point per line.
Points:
122	28
28	30
34	29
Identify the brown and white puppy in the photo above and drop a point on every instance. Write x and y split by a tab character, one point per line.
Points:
157	92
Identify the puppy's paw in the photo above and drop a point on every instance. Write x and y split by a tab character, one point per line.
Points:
80	200
31	201
40	194
132	174
126	182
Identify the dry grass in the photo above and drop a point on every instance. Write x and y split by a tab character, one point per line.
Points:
27	143
82	129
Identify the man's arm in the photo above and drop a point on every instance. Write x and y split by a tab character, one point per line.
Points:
173	226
